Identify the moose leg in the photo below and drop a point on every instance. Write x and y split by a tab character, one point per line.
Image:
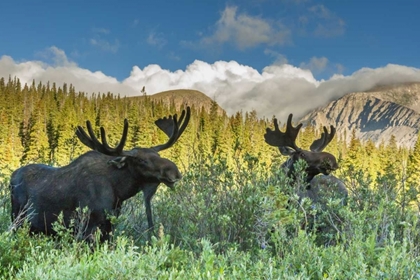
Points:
20	205
106	229
97	221
148	193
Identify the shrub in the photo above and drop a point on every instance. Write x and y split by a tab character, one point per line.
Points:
232	223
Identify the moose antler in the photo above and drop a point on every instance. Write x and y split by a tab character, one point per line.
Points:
92	142
283	139
171	127
319	144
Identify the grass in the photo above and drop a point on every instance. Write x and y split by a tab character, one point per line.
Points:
232	224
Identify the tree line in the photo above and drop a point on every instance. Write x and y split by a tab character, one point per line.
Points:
38	122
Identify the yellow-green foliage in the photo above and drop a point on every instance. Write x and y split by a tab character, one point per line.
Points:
234	215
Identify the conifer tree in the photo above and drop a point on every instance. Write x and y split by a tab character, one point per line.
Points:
203	135
236	126
216	127
371	161
393	158
354	152
53	136
35	140
306	137
413	165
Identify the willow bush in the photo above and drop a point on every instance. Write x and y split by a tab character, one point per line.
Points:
221	222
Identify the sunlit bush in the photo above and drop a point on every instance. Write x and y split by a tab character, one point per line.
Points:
242	222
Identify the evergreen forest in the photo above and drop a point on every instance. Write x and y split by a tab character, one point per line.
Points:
234	215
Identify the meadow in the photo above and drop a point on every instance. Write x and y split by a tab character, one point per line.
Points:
232	224
234	215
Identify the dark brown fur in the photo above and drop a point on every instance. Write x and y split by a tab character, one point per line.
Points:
318	162
94	180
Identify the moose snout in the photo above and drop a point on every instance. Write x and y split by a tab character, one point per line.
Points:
170	182
170	177
328	165
332	167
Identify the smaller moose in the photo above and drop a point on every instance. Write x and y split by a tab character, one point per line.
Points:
100	180
318	162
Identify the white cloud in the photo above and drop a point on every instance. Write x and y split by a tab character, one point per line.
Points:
172	56
245	31
326	23
339	68
156	39
277	90
278	57
105	45
58	56
61	71
315	64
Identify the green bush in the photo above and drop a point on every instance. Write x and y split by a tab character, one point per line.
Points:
233	223
215	203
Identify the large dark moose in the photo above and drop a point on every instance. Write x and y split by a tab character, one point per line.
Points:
99	180
318	162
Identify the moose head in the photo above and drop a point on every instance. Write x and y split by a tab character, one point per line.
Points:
145	162
317	160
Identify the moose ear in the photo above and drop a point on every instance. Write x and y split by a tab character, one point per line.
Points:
118	162
286	151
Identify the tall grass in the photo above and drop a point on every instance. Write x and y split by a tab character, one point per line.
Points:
232	223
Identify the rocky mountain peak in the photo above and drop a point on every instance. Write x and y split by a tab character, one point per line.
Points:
375	114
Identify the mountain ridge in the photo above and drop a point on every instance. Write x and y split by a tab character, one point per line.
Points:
180	97
375	114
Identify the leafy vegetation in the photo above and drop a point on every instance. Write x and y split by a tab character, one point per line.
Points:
234	215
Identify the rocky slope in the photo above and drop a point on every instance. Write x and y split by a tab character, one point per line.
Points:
375	114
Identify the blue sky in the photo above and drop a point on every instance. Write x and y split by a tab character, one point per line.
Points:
128	44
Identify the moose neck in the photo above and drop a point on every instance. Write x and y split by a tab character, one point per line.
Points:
125	185
289	165
292	175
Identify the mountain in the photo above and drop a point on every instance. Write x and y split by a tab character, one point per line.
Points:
375	114
185	96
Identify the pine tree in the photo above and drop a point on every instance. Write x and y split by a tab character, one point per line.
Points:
53	137
306	137
203	136
35	140
394	159
354	153
371	161
216	127
134	128
413	165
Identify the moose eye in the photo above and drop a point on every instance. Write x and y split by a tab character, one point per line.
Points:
302	155
141	161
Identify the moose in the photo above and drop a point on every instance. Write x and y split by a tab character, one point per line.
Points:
317	161
100	180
